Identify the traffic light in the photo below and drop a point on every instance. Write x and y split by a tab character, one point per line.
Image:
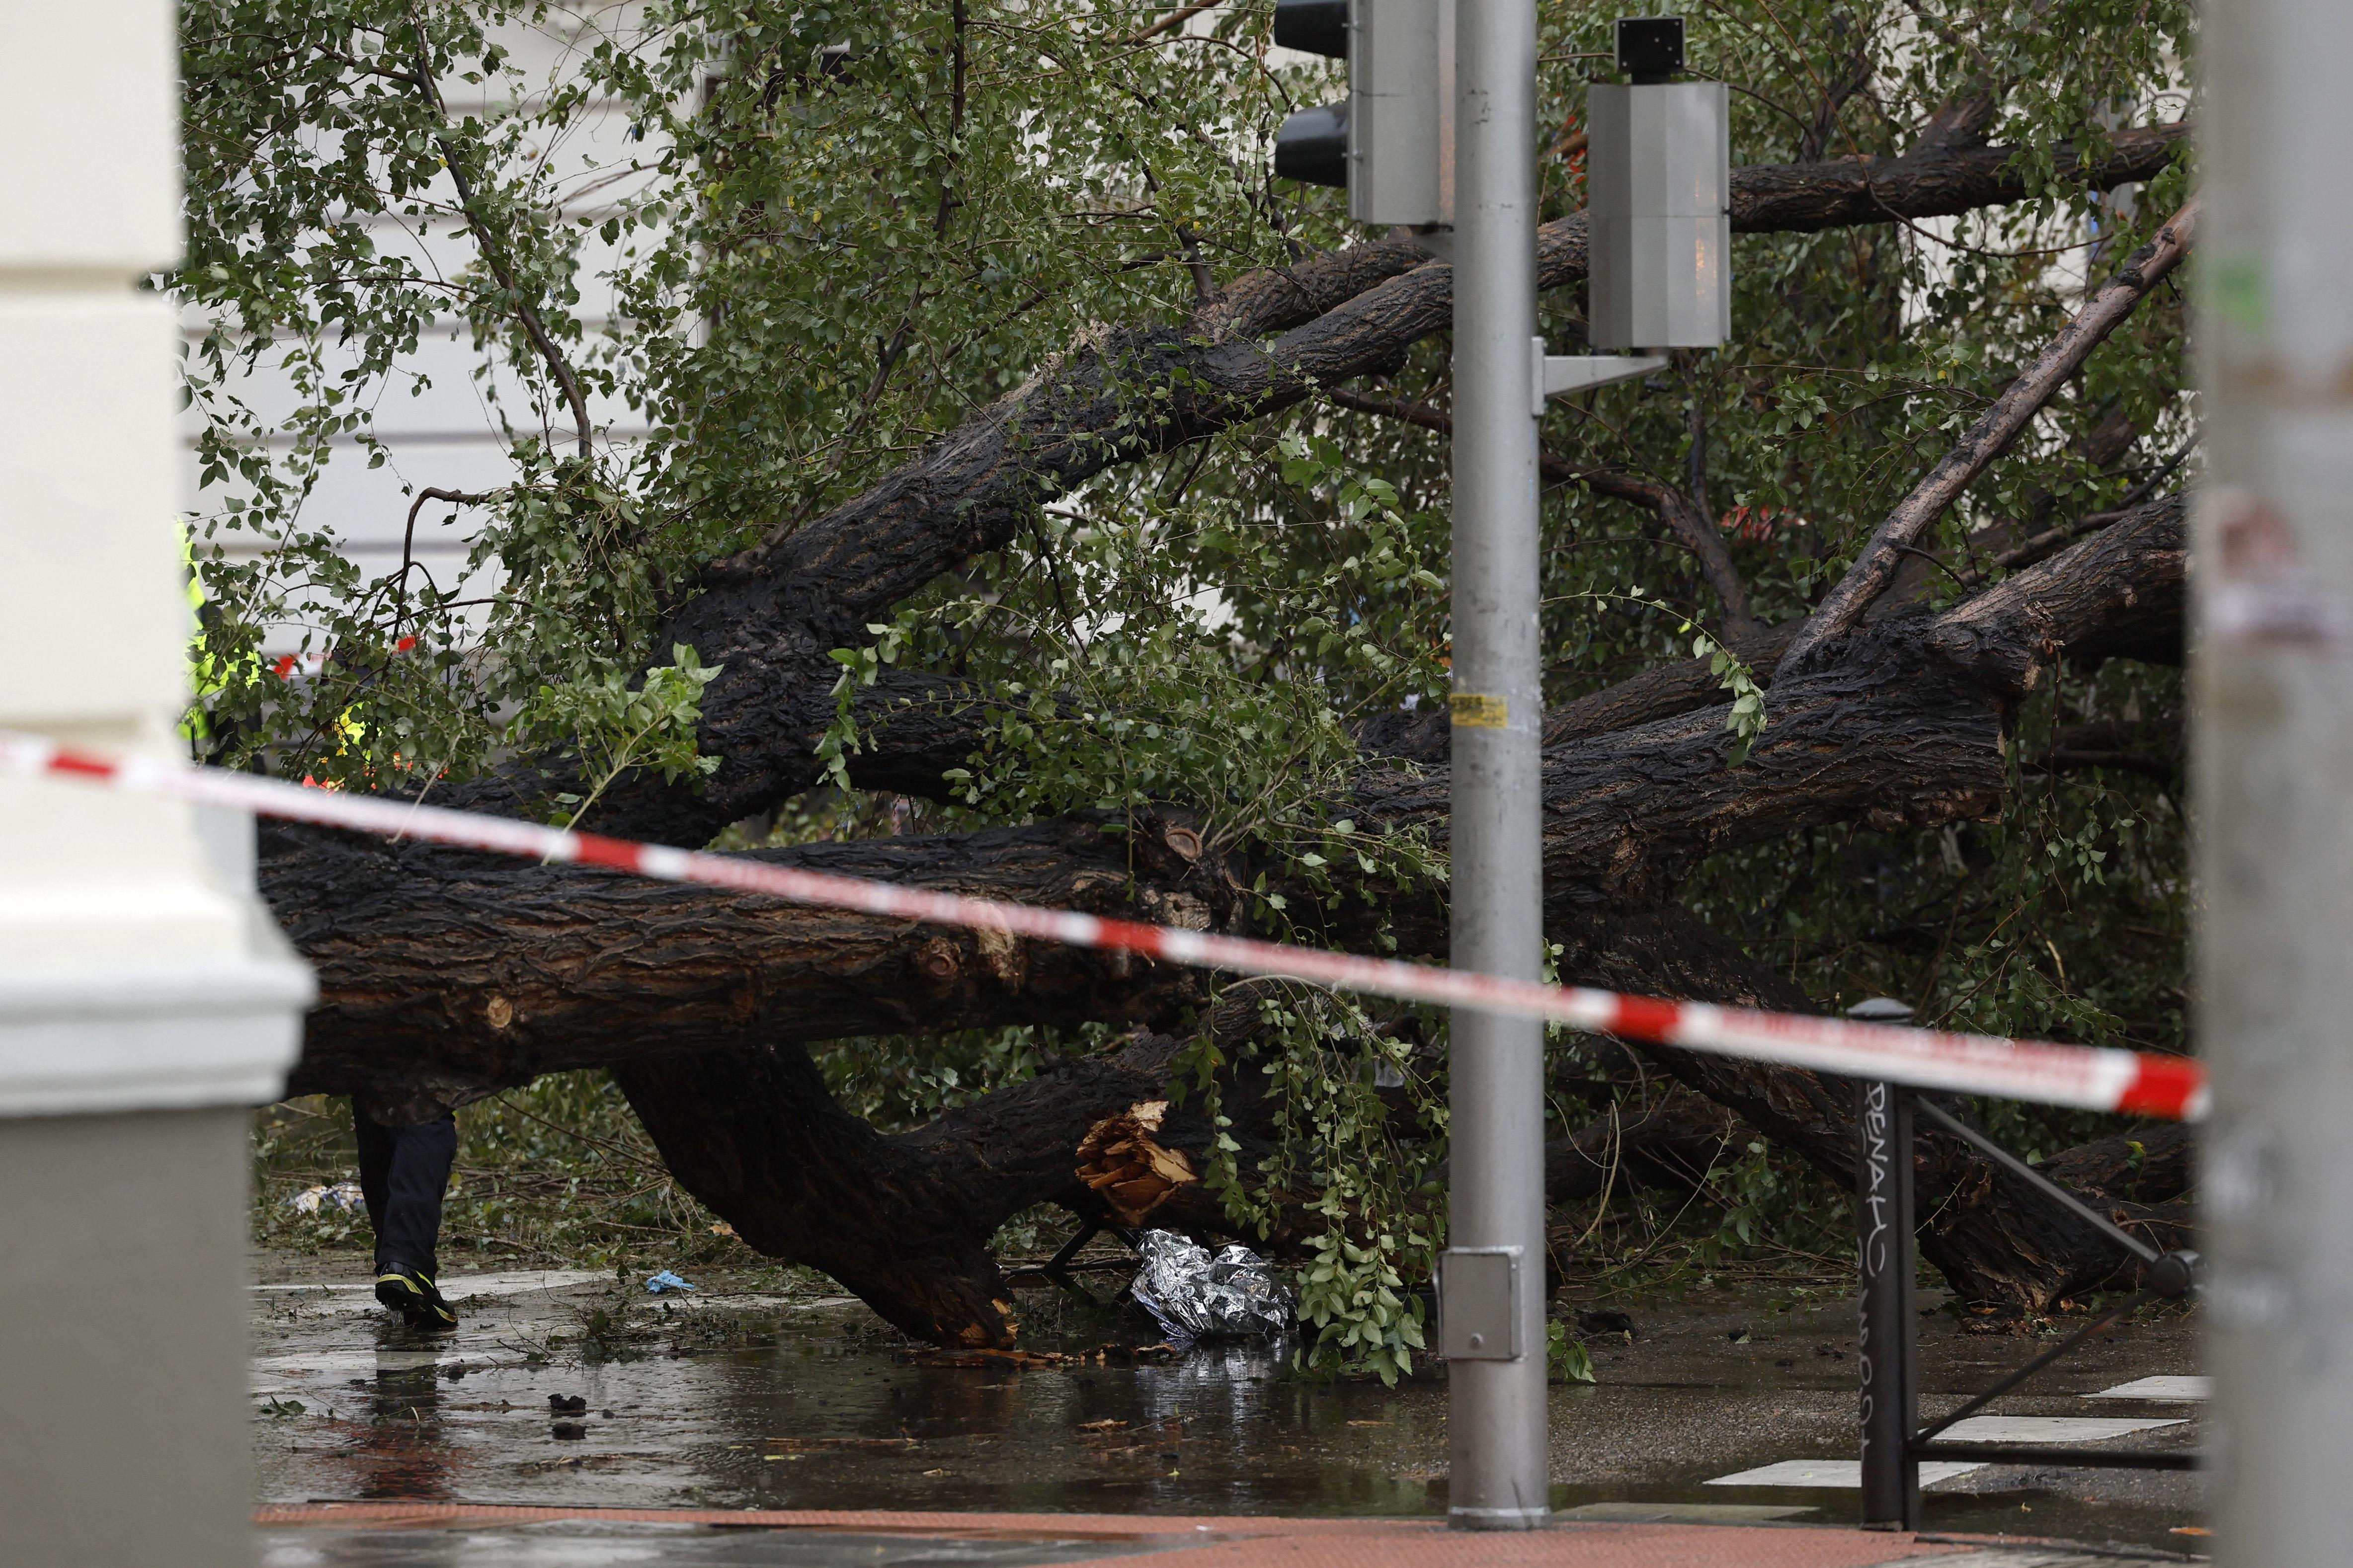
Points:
1390	141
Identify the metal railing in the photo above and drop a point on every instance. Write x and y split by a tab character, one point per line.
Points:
1887	1337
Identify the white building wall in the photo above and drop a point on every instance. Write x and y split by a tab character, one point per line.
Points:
456	435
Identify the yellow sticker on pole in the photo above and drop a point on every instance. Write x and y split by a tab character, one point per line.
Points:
1471	711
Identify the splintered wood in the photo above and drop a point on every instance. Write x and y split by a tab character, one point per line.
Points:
1124	1163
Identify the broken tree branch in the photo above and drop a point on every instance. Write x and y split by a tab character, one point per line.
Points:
1678	514
1875	566
771	616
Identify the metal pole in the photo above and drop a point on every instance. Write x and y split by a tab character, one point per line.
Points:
2272	704
1500	1474
1883	1343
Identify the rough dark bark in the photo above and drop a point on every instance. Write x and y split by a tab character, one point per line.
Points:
2116	595
903	1221
445	973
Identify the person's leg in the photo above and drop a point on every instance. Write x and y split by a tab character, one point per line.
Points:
404	1171
375	1166
418	1174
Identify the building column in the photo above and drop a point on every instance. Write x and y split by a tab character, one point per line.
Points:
146	996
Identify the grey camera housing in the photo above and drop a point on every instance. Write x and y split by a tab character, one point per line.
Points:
1658	182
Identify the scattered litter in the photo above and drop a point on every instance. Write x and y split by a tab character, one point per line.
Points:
343	1197
568	1404
1194	1295
1605	1320
666	1280
722	1228
1108	1424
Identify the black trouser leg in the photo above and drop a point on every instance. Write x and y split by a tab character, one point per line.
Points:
404	1170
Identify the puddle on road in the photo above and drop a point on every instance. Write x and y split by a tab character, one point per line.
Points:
752	1397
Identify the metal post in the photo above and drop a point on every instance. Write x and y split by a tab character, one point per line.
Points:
2272	756
1883	1340
1500	1472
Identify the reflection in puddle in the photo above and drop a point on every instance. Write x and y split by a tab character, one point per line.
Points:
758	1400
398	1450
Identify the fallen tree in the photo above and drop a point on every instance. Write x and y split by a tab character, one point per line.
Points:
445	976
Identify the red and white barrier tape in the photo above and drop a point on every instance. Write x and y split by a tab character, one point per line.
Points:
2085	1077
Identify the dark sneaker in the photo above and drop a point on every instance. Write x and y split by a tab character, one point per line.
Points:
410	1292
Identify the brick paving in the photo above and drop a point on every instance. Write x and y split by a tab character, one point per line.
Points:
1208	1541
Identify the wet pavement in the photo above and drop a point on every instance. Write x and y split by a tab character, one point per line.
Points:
753	1394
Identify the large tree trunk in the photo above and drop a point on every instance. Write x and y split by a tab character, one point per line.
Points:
445	974
903	1221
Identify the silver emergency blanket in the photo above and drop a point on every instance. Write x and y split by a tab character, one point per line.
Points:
1232	1295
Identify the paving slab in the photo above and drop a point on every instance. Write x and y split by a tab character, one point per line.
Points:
2047	1428
1844	1473
2167	1387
